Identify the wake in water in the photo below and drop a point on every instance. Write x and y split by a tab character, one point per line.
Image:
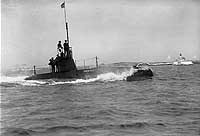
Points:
19	80
65	130
106	77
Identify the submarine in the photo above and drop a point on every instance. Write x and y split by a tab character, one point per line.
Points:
142	72
64	67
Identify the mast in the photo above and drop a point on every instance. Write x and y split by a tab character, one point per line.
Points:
96	62
66	23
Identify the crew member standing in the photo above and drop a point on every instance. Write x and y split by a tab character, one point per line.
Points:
66	48
52	64
59	48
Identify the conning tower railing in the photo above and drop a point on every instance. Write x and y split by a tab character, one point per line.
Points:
87	63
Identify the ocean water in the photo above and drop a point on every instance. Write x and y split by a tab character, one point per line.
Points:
166	105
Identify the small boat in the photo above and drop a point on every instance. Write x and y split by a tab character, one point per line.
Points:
182	61
141	72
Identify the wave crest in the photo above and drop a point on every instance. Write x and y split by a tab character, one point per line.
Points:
106	77
19	80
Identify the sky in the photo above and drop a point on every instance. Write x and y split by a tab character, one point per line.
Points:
113	30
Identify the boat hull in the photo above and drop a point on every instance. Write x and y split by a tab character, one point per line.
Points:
182	63
140	75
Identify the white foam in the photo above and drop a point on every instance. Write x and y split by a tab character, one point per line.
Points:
74	82
11	79
106	77
21	80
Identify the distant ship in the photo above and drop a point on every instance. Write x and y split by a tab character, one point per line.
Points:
182	61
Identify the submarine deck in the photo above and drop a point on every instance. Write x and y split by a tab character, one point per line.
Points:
83	73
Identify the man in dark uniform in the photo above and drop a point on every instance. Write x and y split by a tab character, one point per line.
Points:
66	48
52	64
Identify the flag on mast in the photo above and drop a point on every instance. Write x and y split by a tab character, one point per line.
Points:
63	5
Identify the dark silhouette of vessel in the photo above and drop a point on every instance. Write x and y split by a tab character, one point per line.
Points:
142	72
63	66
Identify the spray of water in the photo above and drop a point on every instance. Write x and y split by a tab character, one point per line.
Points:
19	80
106	77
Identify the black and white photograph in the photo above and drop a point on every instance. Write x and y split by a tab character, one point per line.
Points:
100	68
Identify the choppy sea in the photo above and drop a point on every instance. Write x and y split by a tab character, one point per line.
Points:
166	105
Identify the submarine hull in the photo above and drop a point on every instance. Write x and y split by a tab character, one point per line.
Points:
74	74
